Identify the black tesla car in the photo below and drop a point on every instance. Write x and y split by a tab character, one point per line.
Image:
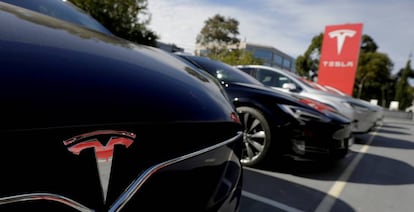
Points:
278	124
96	123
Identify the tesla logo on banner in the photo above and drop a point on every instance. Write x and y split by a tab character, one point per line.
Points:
339	56
340	36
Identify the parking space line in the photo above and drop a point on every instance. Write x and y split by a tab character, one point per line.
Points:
339	185
269	202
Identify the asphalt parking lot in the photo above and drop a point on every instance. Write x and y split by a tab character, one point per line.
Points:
377	175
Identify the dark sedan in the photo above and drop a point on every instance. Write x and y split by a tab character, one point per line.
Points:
279	124
95	123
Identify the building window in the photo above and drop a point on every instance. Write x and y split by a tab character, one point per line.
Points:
277	60
286	64
263	54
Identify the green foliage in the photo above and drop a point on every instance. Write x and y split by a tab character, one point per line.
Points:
218	33
236	57
368	44
373	72
219	37
127	18
309	61
404	92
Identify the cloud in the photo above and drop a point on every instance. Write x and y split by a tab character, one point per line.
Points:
289	25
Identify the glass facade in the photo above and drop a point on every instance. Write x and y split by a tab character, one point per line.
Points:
286	64
272	57
263	54
268	54
277	59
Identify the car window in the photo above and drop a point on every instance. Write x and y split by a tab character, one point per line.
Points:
270	78
274	79
250	71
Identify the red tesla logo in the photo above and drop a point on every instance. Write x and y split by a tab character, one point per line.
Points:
103	151
81	142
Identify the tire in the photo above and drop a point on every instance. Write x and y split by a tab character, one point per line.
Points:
256	136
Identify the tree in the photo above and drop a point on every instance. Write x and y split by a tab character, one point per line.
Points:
373	73
373	77
308	64
127	19
218	34
368	44
237	57
404	93
219	37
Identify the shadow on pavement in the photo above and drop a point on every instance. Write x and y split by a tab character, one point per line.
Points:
385	130
274	193
402	123
384	141
372	169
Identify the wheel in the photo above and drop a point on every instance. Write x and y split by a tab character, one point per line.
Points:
256	136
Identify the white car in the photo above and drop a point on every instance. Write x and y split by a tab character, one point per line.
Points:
363	117
410	109
376	109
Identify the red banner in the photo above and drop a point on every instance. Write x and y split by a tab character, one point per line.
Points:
339	56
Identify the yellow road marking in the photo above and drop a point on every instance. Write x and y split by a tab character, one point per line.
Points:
339	185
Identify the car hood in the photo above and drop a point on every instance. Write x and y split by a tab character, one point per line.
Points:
80	109
63	75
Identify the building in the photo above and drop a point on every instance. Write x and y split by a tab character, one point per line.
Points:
268	54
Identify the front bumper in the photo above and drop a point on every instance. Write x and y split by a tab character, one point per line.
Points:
330	143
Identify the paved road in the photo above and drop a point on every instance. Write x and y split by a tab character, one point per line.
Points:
377	175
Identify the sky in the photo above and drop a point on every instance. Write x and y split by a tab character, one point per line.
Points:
289	25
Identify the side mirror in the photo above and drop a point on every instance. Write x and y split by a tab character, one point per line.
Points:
289	86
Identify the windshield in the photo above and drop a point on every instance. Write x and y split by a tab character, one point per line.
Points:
222	71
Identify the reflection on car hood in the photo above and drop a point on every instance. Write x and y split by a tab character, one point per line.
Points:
93	77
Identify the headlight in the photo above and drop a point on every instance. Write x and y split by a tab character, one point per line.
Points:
347	104
319	106
303	114
358	107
